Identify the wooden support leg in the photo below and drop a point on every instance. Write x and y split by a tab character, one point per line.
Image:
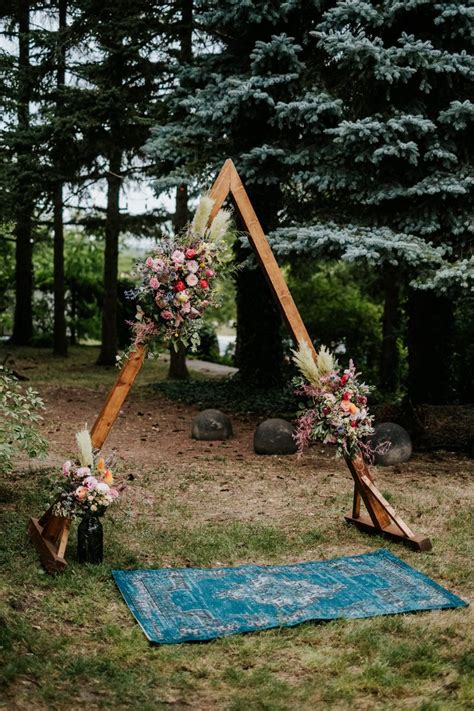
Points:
116	397
49	535
382	518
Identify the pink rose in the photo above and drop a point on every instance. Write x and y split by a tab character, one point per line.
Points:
210	273
190	253
149	262
167	315
191	280
178	256
154	283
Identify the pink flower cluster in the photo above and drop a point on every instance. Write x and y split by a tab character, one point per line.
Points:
175	290
86	489
335	413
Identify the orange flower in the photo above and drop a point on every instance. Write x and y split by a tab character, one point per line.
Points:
108	478
353	409
101	464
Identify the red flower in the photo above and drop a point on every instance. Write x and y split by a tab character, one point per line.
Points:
344	379
180	286
204	284
326	410
346	396
353	423
190	253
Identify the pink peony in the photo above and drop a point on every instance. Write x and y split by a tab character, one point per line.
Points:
167	315
159	265
90	482
186	308
83	471
178	256
191	280
193	266
154	283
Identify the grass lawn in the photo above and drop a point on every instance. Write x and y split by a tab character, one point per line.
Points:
69	642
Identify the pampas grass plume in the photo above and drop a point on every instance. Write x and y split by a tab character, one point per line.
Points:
304	361
84	445
325	361
201	216
219	225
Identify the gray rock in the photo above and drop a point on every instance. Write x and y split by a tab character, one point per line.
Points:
274	436
211	425
400	449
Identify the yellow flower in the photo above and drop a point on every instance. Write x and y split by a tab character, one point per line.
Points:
101	464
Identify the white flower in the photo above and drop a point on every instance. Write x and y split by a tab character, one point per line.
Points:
103	488
191	280
193	266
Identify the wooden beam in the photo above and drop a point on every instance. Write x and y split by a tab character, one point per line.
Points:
116	397
268	262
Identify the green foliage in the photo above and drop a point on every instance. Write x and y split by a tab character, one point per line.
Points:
232	395
83	255
19	420
338	312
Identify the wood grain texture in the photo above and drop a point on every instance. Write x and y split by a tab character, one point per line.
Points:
116	397
268	262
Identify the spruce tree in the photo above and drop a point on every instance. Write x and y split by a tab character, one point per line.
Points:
391	182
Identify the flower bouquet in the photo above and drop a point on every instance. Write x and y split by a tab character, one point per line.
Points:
177	280
336	405
86	491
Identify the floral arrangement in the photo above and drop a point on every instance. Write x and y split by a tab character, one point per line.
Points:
337	410
177	280
87	487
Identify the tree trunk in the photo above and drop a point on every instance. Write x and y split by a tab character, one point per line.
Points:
178	369
430	341
389	357
109	346
259	350
60	339
23	317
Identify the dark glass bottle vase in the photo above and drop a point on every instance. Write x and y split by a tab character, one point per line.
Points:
90	540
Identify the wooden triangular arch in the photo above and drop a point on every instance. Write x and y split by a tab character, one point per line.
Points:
50	532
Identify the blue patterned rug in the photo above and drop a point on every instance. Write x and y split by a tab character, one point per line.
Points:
195	604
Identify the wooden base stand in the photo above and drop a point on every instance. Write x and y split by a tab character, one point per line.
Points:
382	519
49	535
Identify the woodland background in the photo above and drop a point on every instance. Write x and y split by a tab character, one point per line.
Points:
349	122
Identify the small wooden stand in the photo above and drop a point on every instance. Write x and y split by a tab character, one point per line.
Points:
382	518
49	534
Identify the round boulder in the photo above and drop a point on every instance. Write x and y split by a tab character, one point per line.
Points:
274	436
400	444
211	425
